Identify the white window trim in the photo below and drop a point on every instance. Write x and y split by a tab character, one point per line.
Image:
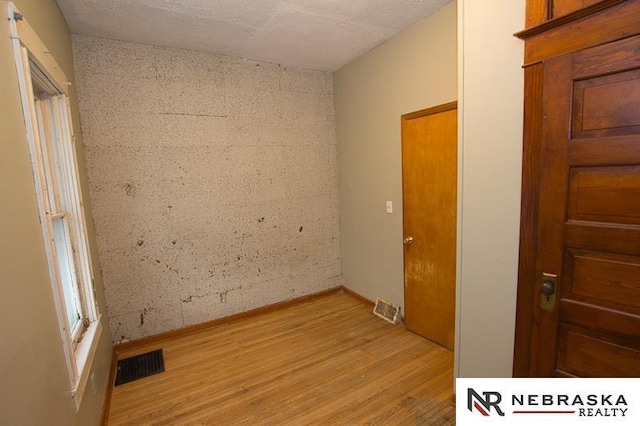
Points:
27	45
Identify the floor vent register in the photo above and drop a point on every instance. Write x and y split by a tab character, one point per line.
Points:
387	311
139	366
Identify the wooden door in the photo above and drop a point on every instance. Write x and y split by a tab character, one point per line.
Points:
429	178
588	231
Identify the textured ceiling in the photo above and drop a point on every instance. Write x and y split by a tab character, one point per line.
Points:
315	34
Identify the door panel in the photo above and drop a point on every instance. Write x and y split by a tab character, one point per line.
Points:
620	150
598	317
589	215
622	240
584	353
429	162
616	115
603	277
605	194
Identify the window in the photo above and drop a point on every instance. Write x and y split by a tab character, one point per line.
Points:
45	104
62	210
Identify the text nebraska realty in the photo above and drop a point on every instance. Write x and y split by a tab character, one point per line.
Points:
584	405
590	405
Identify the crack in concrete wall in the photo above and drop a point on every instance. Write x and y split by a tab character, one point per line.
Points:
204	170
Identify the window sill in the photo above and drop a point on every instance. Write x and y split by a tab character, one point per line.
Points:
84	354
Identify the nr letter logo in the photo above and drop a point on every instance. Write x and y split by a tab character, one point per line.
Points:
484	405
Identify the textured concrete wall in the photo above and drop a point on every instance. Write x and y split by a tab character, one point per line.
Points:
212	180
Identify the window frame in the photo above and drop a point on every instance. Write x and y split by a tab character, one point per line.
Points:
51	141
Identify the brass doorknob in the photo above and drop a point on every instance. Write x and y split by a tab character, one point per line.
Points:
408	240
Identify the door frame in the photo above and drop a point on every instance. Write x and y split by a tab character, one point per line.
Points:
528	219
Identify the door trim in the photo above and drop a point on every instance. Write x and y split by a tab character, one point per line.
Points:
430	111
528	218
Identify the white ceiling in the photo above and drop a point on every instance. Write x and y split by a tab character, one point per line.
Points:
315	34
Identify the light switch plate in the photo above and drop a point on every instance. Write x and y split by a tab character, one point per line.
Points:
389	206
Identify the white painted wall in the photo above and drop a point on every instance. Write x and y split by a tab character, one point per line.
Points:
415	70
212	179
490	122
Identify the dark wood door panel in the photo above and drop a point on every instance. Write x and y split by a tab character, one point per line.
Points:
605	194
604	151
602	237
587	354
603	277
606	105
600	318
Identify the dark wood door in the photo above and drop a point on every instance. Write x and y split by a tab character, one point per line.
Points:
429	180
588	231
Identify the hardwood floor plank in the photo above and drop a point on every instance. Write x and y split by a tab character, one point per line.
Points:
326	361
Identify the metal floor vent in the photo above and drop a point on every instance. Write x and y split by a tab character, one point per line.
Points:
139	366
387	311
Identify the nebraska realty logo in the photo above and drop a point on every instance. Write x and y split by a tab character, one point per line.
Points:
563	401
590	405
484	405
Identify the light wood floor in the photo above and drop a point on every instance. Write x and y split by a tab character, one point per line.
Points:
329	361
